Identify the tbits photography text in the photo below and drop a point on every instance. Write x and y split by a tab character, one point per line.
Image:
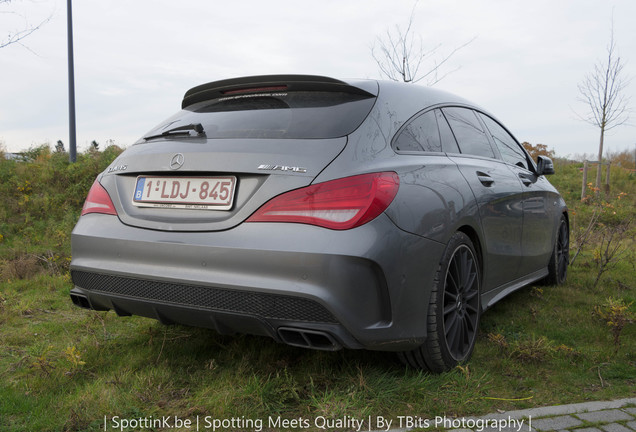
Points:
320	423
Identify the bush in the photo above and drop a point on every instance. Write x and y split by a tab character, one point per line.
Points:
43	194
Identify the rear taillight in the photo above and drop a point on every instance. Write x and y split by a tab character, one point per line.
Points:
338	204
98	201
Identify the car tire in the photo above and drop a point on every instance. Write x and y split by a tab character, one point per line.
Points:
560	259
454	310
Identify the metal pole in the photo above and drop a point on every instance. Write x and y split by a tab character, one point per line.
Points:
72	151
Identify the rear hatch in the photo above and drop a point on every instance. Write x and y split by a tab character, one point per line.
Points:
235	145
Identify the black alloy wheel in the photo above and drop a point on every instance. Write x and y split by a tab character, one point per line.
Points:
563	251
454	310
560	259
461	302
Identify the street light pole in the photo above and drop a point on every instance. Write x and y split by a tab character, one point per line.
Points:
72	153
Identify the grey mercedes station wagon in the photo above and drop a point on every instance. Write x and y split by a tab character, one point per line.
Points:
324	214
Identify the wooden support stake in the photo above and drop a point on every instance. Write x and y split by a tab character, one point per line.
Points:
584	180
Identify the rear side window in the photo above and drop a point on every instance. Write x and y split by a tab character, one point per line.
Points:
300	114
420	135
510	150
469	133
428	132
449	145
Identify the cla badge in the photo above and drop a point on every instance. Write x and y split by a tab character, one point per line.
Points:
177	161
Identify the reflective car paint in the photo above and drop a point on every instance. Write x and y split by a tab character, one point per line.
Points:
366	287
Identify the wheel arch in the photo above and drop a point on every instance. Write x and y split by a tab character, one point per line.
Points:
474	238
566	213
563	212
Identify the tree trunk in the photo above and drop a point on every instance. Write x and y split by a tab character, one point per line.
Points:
584	187
599	170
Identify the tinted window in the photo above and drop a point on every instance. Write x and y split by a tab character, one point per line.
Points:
510	150
420	135
449	145
277	115
470	136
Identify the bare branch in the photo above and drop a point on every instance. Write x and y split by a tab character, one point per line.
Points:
435	70
15	37
401	56
603	91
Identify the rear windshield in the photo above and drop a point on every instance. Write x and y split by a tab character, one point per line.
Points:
302	114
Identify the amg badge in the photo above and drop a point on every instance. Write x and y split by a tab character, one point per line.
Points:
117	168
282	168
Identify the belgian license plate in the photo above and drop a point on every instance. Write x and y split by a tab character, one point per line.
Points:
203	193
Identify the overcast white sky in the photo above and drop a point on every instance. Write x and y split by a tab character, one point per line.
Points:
134	60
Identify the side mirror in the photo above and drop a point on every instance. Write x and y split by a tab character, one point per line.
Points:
544	166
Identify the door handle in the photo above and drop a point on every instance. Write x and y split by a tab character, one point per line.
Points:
525	180
485	179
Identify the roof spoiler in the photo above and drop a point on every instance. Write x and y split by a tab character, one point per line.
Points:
268	83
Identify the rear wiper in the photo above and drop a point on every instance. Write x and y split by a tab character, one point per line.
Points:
180	130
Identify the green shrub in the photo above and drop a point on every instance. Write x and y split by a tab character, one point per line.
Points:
43	194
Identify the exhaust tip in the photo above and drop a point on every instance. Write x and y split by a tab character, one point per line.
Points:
312	339
80	301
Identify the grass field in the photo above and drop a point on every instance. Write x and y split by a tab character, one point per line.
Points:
67	369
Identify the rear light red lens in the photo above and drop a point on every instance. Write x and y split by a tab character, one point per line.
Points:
338	204
98	201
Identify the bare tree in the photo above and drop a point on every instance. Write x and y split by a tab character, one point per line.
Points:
603	91
16	36
402	56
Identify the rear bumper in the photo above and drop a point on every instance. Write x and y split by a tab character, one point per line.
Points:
362	288
321	335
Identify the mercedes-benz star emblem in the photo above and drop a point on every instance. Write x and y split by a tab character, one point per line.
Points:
177	161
